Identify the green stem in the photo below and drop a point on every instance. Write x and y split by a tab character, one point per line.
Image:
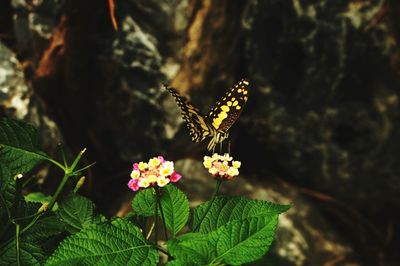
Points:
217	185
51	204
162	215
58	191
17	233
156	220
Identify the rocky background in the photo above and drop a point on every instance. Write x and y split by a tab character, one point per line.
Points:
321	129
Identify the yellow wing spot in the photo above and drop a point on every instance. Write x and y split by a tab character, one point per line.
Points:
245	98
233	99
225	108
229	94
245	82
245	92
238	107
229	103
218	120
239	90
235	103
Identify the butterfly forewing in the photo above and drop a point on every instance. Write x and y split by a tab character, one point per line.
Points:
225	112
194	120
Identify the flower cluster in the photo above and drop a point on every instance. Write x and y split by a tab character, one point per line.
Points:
222	166
156	171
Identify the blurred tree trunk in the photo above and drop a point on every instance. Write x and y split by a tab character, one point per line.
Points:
211	53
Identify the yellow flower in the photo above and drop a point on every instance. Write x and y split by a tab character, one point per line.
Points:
213	170
144	182
166	170
142	166
215	156
224	167
236	164
152	178
207	164
226	157
162	181
154	162
232	171
135	174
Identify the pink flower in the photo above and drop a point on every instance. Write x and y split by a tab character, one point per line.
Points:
161	159
133	184
175	177
156	172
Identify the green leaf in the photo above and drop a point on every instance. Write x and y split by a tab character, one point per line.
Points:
245	241
235	231
76	212
7	196
225	209
39	197
175	207
45	227
119	243
30	254
144	202
18	146
190	249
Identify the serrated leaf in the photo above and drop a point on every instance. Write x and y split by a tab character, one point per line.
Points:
7	194
244	241
190	249
144	202
119	243
29	254
45	227
18	146
235	231
175	207
76	212
225	209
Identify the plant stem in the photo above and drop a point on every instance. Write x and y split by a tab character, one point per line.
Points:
17	242
58	191
156	220
51	204
162	214
150	231
217	185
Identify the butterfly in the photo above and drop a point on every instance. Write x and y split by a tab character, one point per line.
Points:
219	119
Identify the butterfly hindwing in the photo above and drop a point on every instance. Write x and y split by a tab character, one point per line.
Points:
225	112
194	120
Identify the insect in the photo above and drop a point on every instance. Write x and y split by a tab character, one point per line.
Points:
219	119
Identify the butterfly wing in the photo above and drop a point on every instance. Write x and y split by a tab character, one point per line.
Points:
195	122
226	111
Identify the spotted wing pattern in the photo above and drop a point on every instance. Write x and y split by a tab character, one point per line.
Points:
195	122
226	111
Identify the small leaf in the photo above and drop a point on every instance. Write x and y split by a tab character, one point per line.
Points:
225	209
119	243
144	202
76	212
175	206
19	146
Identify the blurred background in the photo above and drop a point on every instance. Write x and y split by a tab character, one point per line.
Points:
320	130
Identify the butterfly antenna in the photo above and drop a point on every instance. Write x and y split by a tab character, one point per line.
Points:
229	146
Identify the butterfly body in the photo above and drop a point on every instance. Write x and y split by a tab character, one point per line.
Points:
220	118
